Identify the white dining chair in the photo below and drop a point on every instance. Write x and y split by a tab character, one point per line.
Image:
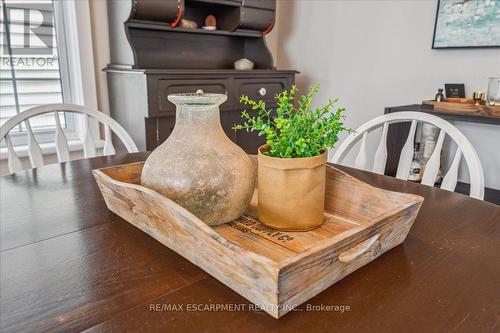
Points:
464	147
61	143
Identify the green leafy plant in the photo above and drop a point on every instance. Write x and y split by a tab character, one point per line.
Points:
294	129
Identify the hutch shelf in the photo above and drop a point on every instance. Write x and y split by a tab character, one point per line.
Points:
152	57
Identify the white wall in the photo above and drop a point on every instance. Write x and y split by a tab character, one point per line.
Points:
374	54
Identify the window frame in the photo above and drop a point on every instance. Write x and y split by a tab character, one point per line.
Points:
19	138
66	21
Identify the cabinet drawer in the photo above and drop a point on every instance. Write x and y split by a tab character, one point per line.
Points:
168	87
158	129
262	89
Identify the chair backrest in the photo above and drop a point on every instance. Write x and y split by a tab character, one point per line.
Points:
432	167
61	143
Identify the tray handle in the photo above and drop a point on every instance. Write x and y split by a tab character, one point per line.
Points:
359	249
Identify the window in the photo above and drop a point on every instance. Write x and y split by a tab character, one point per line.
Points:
30	68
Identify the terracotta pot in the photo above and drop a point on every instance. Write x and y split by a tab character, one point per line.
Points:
198	166
291	191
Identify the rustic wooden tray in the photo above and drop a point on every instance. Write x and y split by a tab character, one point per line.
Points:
468	109
276	270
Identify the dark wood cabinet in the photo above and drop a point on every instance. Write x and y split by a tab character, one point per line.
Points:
151	58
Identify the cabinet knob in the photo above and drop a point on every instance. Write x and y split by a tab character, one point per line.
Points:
262	91
199	91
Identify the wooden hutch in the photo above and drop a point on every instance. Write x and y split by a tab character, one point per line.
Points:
152	57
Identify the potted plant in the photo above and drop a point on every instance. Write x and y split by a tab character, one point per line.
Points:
292	163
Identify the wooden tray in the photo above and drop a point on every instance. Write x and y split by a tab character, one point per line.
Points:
276	270
467	109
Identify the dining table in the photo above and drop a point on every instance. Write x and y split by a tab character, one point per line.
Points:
68	264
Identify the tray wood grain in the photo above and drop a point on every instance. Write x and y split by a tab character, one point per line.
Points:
276	270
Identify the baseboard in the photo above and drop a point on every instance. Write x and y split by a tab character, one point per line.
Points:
490	194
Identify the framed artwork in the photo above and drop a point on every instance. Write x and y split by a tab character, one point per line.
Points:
467	24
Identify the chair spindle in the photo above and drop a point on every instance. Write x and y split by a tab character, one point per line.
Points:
380	158
407	154
432	165
450	179
62	148
34	150
108	149
89	149
14	162
362	158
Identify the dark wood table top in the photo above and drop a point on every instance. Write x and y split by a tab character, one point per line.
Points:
69	264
